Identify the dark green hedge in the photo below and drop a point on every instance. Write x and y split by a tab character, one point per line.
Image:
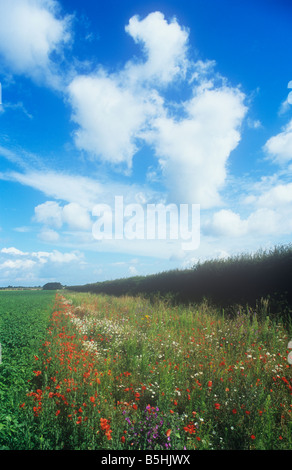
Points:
241	279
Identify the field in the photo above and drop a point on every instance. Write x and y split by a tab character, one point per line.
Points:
89	372
24	317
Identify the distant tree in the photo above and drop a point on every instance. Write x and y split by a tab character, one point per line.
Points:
52	286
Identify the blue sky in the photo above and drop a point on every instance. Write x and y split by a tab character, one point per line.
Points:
171	102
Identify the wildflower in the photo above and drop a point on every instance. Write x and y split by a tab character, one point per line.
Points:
217	406
123	439
252	436
190	428
104	424
168	432
108	434
58	412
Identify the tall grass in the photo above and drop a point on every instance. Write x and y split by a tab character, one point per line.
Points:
127	373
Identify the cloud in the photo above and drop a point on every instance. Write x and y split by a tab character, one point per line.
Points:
60	258
118	114
49	235
276	197
109	117
71	188
84	192
226	223
76	216
112	111
34	268
285	105
13	251
52	214
193	151
18	264
165	47
133	271
54	256
271	214
30	31
49	213
279	147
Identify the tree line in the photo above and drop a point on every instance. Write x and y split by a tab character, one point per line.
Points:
241	279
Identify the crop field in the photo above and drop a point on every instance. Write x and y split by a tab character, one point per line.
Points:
24	317
89	372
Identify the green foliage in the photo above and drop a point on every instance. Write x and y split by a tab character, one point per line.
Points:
52	286
124	373
127	373
244	279
23	321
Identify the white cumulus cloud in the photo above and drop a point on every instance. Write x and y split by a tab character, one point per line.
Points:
30	31
193	151
109	117
279	147
165	46
119	113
